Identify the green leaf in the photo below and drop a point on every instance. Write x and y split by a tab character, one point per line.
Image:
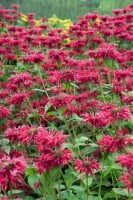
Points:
33	115
15	192
72	197
94	198
89	182
106	172
77	118
130	123
47	106
117	66
67	145
90	149
51	113
4	141
77	188
56	186
69	178
74	85
64	194
7	149
122	192
116	166
36	89
20	23
81	195
31	170
28	198
32	179
19	64
109	195
60	111
81	139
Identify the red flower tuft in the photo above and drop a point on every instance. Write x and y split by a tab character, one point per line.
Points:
107	143
99	120
55	157
4	112
126	160
87	166
12	167
18	98
111	144
127	178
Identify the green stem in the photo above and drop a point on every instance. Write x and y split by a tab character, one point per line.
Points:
74	133
64	179
45	190
59	184
11	194
42	82
116	197
112	177
67	126
129	193
87	189
54	195
101	89
100	186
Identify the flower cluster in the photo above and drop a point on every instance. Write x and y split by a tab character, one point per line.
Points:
126	160
50	146
12	167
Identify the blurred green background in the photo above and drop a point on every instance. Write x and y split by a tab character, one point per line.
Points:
66	8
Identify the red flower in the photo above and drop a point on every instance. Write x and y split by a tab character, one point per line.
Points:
100	119
23	78
121	113
12	167
3	93
35	57
107	143
127	178
12	134
24	134
128	99
126	160
4	112
15	6
46	140
18	98
87	166
5	198
49	144
118	142
55	157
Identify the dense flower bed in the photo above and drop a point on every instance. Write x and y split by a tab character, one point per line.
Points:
66	96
